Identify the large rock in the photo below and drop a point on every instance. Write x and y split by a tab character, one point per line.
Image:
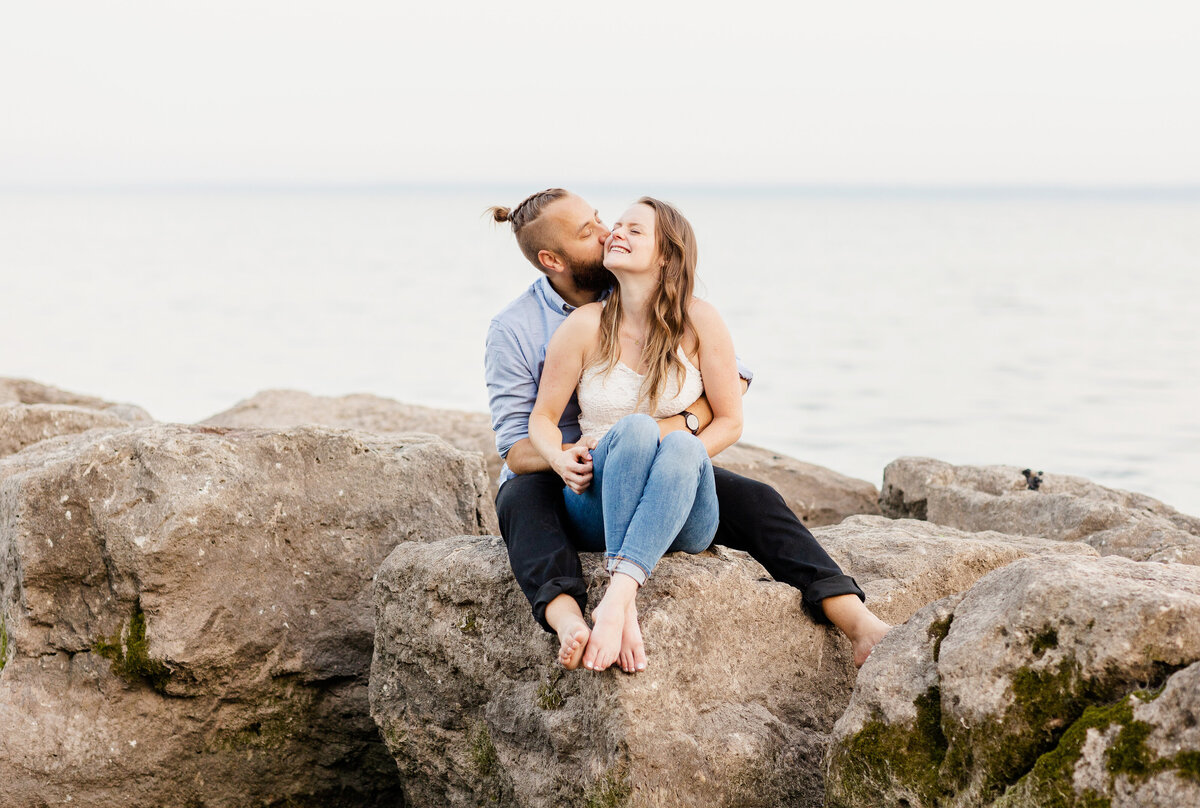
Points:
186	610
280	409
23	425
25	391
1115	522
735	709
1042	685
816	494
904	564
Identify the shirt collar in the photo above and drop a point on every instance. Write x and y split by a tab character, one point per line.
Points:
554	300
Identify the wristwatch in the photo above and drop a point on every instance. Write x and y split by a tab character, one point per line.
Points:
691	422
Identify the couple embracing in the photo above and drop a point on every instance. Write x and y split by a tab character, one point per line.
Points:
611	386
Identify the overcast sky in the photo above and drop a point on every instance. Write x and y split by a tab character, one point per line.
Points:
1081	93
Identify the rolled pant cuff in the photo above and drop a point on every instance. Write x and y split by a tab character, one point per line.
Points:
575	587
630	568
829	587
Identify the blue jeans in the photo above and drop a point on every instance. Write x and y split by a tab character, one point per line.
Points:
647	497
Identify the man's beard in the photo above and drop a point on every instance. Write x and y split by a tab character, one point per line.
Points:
591	277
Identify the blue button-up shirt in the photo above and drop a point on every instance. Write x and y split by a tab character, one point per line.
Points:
513	361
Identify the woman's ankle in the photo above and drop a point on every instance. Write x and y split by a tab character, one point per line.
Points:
621	592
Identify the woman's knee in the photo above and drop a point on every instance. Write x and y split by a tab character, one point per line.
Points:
638	427
684	446
699	531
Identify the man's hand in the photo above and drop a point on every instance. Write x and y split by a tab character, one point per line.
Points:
574	465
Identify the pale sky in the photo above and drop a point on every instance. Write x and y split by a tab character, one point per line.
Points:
541	93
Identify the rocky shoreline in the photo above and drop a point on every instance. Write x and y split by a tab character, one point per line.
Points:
302	601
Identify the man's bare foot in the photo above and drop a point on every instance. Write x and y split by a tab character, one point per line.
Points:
863	641
564	617
608	623
857	622
633	653
573	636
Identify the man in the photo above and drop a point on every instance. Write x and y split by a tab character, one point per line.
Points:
563	237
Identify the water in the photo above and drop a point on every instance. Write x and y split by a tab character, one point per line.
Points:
1056	332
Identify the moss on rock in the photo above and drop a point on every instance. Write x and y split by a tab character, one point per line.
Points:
1046	701
1044	640
128	651
608	791
3	641
910	756
1050	783
938	630
483	752
548	697
469	623
271	732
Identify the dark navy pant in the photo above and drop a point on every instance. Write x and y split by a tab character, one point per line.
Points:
543	549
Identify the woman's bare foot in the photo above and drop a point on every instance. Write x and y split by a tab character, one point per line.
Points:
608	623
573	636
633	653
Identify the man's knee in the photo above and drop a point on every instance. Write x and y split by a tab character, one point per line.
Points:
734	490
528	496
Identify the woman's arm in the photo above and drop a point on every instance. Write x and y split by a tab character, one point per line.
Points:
722	385
560	376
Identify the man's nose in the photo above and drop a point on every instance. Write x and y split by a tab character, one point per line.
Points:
604	234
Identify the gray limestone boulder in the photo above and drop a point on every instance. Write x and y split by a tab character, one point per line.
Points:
185	611
735	708
1063	507
280	409
22	425
1054	681
819	496
26	391
904	564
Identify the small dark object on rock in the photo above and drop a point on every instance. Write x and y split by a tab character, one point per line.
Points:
1032	480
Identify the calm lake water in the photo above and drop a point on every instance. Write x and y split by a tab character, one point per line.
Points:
1053	331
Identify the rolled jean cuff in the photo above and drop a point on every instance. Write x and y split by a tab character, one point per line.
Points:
575	587
627	566
829	587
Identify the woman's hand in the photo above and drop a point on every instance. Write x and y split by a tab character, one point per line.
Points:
574	465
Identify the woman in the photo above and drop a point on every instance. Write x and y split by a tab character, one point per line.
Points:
651	348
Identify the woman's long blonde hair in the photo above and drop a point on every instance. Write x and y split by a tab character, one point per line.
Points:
669	320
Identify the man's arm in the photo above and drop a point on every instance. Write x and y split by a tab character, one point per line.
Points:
522	458
700	408
512	389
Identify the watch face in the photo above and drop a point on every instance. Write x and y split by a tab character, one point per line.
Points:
693	423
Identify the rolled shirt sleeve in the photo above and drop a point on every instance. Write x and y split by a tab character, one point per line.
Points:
744	371
512	387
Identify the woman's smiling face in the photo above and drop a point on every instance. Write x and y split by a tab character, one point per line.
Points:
633	245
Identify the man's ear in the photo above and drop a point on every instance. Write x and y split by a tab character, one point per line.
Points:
550	262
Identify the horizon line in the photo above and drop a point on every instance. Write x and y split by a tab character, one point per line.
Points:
877	189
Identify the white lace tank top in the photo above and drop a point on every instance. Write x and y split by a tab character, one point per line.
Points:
604	400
